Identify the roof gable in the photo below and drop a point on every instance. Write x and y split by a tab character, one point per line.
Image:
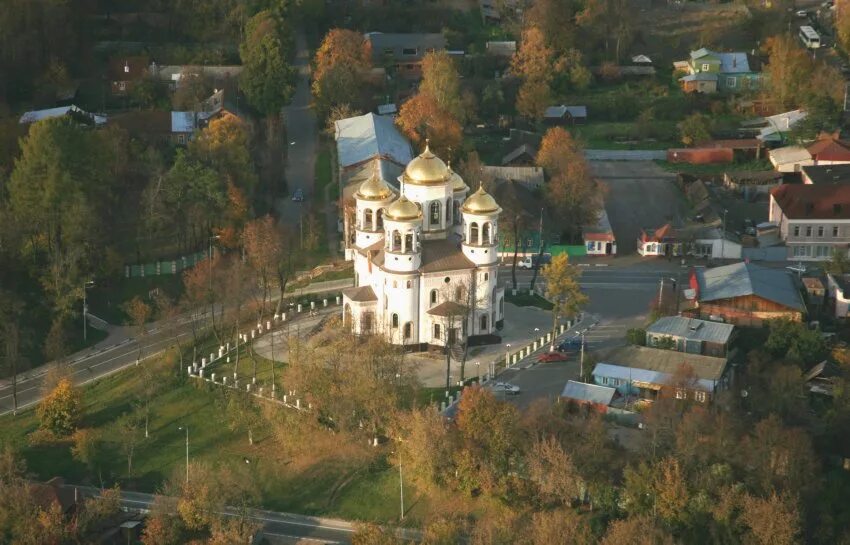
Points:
744	279
813	201
368	136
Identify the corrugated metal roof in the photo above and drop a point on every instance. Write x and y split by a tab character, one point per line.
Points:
692	329
39	115
742	279
591	393
734	63
183	122
648	376
666	361
367	136
554	112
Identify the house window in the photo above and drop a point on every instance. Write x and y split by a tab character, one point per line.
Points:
409	51
731	82
436	331
681	394
706	67
835	231
796	230
433	297
808	230
395	321
820	231
700	396
801	251
486	276
122	85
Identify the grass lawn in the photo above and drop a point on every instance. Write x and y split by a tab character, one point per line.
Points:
328	476
347	272
526	300
696	170
324	175
105	301
623	136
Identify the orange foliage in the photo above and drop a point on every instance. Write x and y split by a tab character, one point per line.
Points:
342	46
421	117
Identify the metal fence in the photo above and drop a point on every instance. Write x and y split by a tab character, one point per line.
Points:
163	267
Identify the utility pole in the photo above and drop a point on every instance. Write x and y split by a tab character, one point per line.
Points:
400	485
723	236
660	293
581	362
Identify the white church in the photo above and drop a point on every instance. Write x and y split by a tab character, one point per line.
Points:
425	260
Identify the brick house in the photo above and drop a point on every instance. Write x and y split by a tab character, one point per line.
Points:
813	219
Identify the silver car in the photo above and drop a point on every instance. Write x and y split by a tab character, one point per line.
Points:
505	388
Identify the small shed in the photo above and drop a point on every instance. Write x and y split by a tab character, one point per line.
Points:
752	183
573	115
593	396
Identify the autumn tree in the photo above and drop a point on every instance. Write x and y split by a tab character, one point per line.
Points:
489	440
636	531
774	520
139	313
841	20
533	63
193	88
12	342
572	191
87	447
61	409
342	65
552	470
128	431
264	248
560	527
225	146
421	118
425	445
441	81
563	291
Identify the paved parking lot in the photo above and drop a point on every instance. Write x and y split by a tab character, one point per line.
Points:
640	194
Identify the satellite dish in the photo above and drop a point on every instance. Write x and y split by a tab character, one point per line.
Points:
744	393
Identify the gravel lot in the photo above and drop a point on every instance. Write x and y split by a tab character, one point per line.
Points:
640	194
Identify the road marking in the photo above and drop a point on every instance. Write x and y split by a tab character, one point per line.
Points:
300	538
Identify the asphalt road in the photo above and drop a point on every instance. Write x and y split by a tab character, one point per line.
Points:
282	528
302	136
85	368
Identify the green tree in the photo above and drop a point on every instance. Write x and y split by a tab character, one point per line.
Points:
267	78
563	290
441	80
695	129
61	409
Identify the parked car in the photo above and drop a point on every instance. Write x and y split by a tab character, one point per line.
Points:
570	344
530	262
298	196
802	14
505	388
550	357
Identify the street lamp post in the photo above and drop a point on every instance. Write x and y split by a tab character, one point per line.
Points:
86	287
187	451
723	235
478	370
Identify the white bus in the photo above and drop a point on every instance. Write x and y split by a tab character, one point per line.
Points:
809	37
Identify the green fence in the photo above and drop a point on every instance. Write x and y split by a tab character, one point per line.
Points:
572	251
169	266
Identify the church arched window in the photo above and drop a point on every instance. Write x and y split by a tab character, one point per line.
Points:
435	213
448	211
396	241
367	219
485	233
473	233
433	297
408	330
395	321
456	212
484	322
379	218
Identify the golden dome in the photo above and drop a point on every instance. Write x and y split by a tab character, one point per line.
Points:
426	169
374	189
403	210
481	202
458	185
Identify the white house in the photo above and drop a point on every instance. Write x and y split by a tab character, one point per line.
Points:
838	287
712	243
425	261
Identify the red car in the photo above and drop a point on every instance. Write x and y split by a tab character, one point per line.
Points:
550	357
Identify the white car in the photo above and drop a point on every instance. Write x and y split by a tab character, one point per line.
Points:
802	14
504	387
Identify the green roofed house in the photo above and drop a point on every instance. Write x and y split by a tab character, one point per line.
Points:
708	71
